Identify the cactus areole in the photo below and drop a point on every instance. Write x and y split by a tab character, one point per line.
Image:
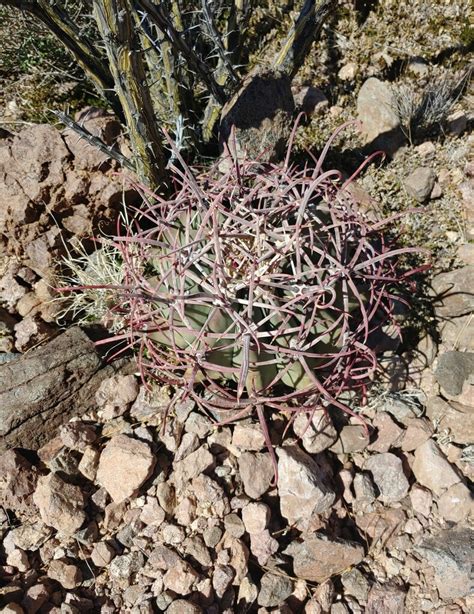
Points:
257	288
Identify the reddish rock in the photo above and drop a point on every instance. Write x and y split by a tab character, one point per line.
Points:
432	470
17	482
65	572
317	558
60	504
124	465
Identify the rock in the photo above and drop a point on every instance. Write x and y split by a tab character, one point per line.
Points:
260	115
89	463
456	504
420	183
417	432
256	517
77	435
222	578
352	438
234	525
387	471
317	558
364	491
64	572
421	500
237	554
263	546
355	584
348	72
35	597
30	536
18	479
389	433
402	410
309	99
13	608
189	444
274	589
195	547
210	496
247	593
38	393
19	559
102	554
192	466
302	489
180	578
456	122
163	558
454	372
450	555
452	291
172	534
376	111
116	394
181	606
60	504
431	469
450	419
316	435
152	512
124	465
325	594
386	599
125	567
86	156
256	472
248	437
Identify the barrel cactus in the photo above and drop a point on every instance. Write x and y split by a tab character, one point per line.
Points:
255	288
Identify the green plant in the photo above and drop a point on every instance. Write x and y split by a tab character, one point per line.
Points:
253	290
171	64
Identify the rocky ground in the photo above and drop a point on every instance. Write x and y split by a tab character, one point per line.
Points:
119	511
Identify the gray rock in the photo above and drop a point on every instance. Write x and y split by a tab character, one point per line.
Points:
124	567
317	558
453	369
431	469
317	435
352	438
274	589
364	491
387	471
256	471
420	183
355	584
454	292
302	489
450	553
375	109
